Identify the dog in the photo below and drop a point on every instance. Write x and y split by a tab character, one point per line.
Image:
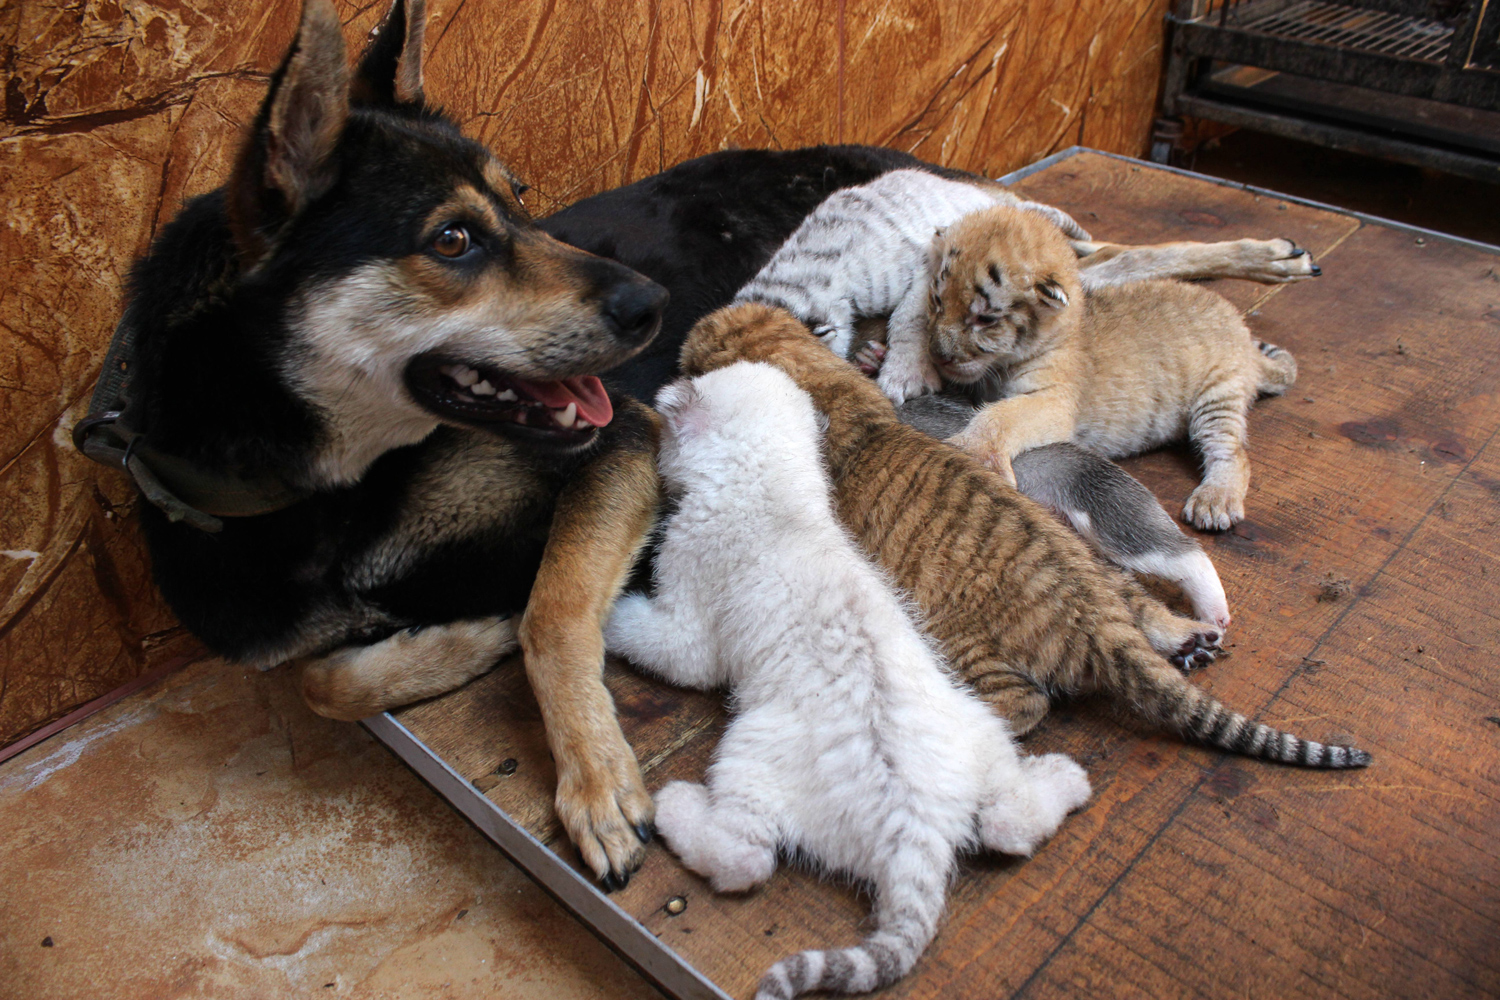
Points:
365	398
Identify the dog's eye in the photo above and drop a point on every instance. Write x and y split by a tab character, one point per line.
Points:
453	241
984	320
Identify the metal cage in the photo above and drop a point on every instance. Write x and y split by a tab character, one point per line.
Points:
1411	80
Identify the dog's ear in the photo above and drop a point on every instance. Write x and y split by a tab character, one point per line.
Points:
390	71
287	160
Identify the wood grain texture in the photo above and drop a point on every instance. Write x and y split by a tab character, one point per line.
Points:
1361	584
115	113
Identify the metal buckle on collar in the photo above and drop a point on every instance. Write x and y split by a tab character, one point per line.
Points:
105	436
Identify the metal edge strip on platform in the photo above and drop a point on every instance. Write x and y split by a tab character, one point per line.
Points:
622	932
1071	151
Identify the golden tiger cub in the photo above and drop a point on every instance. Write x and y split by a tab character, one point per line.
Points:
1116	370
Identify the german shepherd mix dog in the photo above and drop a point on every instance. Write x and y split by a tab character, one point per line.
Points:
364	348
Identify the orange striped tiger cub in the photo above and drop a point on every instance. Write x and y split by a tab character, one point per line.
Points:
1021	607
1116	369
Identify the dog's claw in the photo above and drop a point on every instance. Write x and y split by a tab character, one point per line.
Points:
1316	270
614	881
644	832
1297	251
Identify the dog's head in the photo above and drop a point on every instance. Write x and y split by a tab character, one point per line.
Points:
412	287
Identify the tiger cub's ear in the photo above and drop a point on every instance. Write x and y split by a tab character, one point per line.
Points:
681	404
1052	294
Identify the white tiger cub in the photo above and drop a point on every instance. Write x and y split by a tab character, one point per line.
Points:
864	251
850	741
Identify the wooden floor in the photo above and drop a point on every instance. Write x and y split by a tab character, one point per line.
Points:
1363	587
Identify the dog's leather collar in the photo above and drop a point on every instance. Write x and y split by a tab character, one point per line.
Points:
182	490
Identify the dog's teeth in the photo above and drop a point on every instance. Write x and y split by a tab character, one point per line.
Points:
482	388
465	376
566	417
520	417
507	396
581	424
451	370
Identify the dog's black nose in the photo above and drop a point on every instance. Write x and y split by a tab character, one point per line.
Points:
634	309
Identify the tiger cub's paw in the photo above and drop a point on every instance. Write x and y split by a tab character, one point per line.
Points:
1198	650
1274	262
870	357
903	378
973	441
1212	507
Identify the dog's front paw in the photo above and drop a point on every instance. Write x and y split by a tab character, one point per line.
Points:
607	812
1274	262
1214	508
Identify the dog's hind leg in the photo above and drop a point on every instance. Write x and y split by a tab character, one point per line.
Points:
358	681
598	529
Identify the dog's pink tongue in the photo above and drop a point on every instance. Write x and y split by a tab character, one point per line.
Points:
585	390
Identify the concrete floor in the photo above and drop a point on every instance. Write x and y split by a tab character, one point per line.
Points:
211	837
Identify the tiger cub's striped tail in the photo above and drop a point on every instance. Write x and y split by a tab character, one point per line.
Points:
1160	693
1278	369
909	903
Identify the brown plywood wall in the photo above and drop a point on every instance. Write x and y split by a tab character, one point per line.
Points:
118	110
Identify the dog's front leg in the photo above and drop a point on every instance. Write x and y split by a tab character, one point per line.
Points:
601	523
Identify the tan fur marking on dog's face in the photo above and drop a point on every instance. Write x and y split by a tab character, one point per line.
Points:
520	301
1004	278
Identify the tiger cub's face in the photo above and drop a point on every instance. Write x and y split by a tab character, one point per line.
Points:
1005	285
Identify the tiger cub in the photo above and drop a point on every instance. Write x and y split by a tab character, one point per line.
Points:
850	745
1117	370
1020	606
863	252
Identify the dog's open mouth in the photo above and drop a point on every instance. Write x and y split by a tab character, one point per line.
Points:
566	411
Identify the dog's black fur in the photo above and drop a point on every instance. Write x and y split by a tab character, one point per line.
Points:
705	227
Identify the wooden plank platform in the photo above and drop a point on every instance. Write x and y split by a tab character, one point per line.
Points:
1363	590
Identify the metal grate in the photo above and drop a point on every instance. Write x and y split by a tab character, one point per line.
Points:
1336	24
